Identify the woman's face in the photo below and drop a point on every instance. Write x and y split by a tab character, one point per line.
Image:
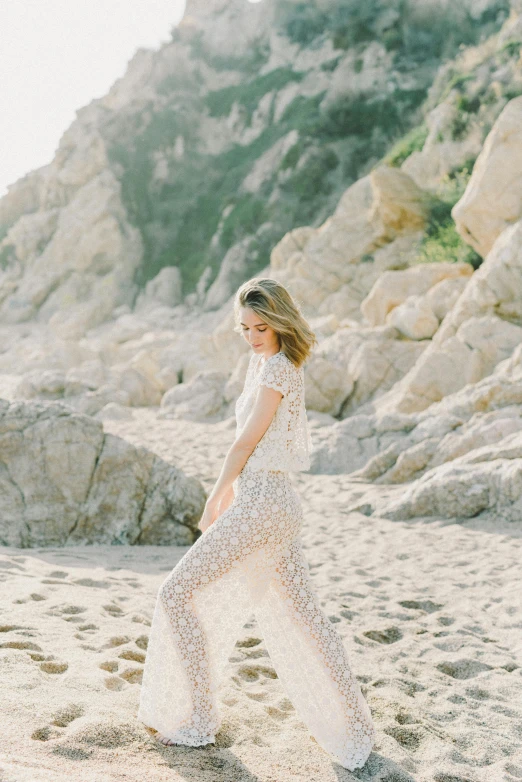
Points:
259	335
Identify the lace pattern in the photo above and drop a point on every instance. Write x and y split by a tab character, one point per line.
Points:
287	442
251	559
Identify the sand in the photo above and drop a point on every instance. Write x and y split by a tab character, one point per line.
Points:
430	612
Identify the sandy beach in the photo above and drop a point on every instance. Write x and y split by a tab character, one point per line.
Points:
429	611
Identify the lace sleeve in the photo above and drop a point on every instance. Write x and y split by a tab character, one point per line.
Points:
276	374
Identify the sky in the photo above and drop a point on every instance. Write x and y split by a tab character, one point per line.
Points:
55	57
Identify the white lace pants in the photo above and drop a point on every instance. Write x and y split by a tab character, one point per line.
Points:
250	560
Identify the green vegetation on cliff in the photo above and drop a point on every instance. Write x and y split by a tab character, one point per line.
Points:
184	159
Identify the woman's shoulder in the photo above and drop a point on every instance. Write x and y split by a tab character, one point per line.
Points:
281	359
282	368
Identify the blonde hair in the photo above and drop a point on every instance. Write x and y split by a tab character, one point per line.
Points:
279	310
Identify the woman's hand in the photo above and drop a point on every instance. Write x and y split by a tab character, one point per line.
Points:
214	508
210	514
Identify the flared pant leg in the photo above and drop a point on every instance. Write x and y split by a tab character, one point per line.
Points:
203	604
250	560
311	662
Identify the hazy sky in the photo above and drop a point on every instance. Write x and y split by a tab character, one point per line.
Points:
55	57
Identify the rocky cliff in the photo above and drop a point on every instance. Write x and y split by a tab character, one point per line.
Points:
252	121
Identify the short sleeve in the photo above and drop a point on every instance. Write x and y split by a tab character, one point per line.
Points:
275	373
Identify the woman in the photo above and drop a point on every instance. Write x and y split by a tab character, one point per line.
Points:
249	558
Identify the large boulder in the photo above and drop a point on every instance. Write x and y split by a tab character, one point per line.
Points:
201	399
377	225
488	479
63	481
392	288
493	198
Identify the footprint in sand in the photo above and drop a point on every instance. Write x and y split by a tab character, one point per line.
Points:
423	605
55	577
277	714
50	666
132	675
117	640
91	582
9	565
109	665
247	643
114	683
407	736
249	648
68	612
388	636
113	609
405	718
45	733
251	673
65	715
463	669
140	619
478	693
47	662
142	641
131	654
23	645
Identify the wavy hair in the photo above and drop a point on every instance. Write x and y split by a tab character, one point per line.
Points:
271	301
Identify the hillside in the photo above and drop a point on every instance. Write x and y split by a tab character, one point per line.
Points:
251	122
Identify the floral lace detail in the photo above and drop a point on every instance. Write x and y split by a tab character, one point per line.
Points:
250	559
287	442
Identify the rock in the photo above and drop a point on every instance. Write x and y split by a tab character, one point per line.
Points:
266	164
493	198
392	288
395	448
441	154
78	275
114	411
95	488
443	295
89	375
399	205
355	365
231	273
377	224
201	399
325	326
142	391
47	384
414	318
236	381
489	479
480	331
165	288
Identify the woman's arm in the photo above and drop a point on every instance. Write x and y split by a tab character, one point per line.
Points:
257	423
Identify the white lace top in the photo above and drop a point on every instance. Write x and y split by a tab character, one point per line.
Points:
287	442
